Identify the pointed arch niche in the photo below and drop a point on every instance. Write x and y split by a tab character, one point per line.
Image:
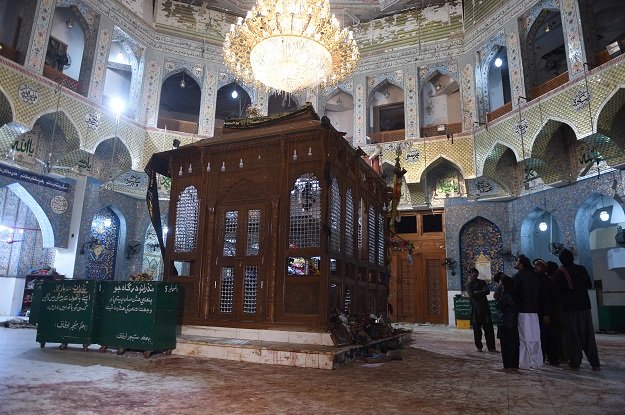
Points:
385	114
480	240
539	232
440	105
340	110
232	102
179	106
544	54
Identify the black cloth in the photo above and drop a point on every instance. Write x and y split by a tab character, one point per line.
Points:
526	291
480	311
480	314
508	330
551	326
579	333
573	298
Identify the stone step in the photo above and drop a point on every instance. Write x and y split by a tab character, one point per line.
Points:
276	353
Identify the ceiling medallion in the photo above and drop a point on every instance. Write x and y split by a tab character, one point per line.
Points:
290	45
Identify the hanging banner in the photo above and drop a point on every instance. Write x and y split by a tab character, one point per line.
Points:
33	178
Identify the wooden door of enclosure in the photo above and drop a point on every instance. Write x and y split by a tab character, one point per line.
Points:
238	279
420	288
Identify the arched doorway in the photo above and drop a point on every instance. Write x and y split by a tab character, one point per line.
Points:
544	53
440	105
232	102
101	245
540	234
385	113
339	108
179	106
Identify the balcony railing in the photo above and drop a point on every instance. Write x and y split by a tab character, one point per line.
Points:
60	78
178	125
387	136
432	130
499	112
550	85
10	53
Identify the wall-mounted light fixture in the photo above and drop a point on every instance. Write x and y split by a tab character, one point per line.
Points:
542	226
69	23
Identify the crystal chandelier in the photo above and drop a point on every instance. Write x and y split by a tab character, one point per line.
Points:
290	45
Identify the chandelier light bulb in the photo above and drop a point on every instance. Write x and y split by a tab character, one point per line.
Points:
290	45
542	226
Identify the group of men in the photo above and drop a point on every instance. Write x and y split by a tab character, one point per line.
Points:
547	306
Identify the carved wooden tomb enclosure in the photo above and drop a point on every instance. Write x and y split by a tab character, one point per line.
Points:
274	223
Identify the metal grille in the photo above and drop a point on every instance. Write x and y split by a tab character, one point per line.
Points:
187	218
371	234
227	289
305	213
434	287
251	284
360	226
230	232
381	247
335	217
253	232
349	223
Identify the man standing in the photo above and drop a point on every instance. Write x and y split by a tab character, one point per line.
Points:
572	283
550	336
480	311
526	294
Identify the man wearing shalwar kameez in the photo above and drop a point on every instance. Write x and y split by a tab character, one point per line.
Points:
572	283
480	311
526	294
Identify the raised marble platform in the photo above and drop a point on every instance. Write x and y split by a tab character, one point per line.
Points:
273	346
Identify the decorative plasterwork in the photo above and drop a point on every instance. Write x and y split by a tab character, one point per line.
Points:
173	66
151	88
515	68
528	18
360	112
573	35
484	57
410	105
395	78
207	106
101	59
35	56
468	97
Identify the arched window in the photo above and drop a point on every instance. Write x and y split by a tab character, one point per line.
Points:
305	218
187	217
335	217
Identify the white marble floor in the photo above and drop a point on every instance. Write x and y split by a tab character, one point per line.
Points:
440	374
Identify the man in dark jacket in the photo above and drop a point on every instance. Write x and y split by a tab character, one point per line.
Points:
480	311
549	323
572	283
526	294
